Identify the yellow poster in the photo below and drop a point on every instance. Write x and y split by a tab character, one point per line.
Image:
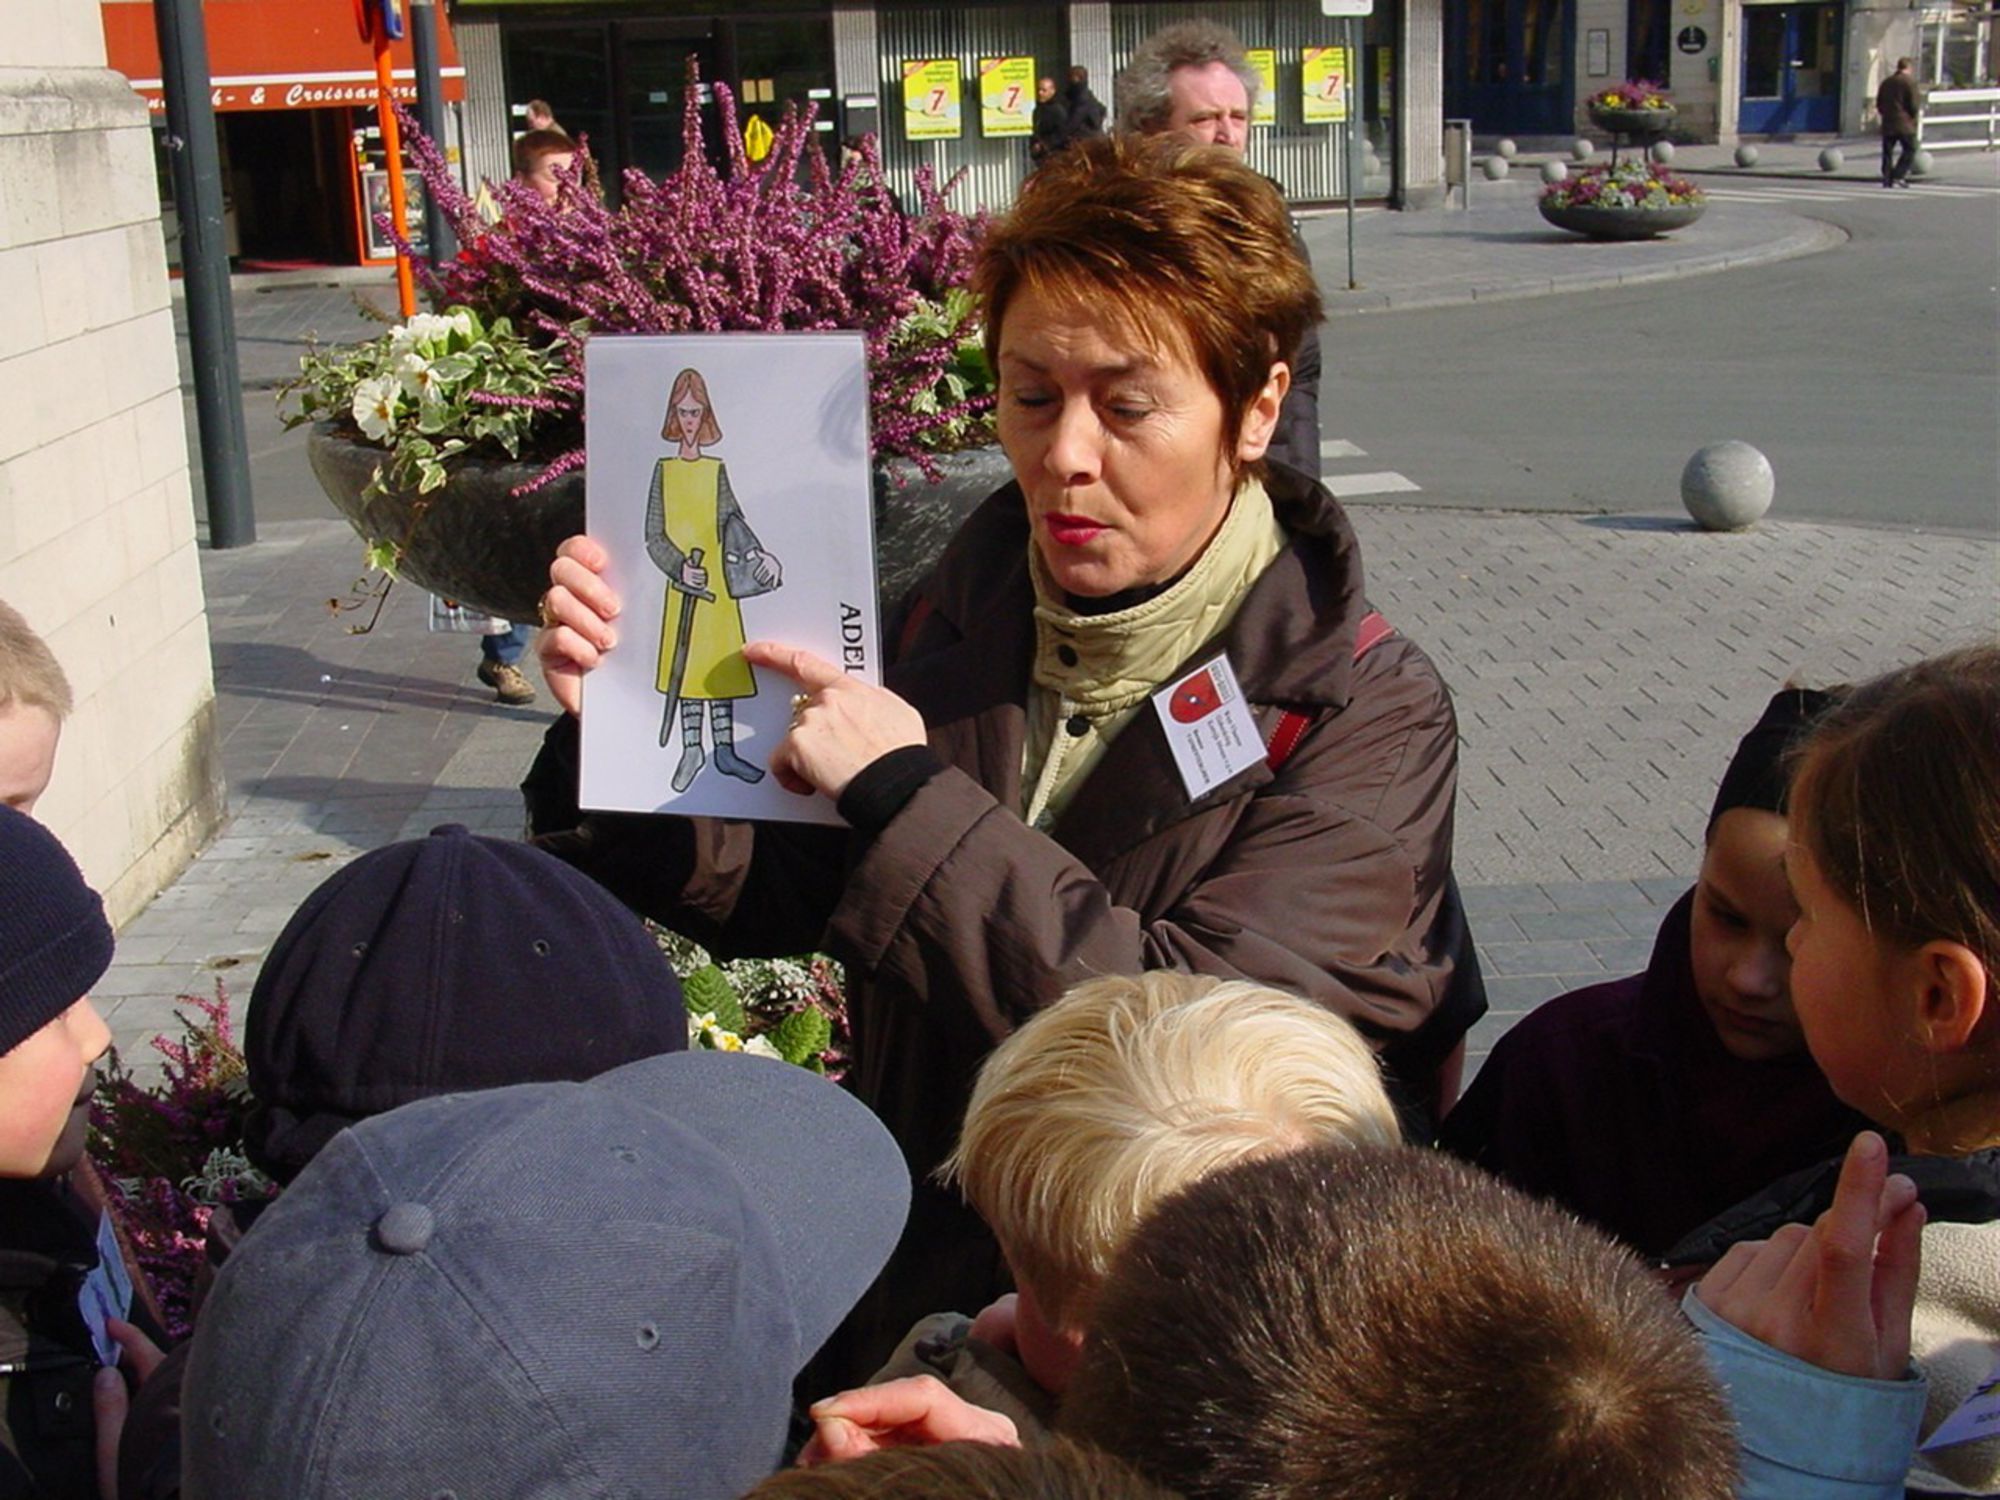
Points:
1265	61
1324	84
1006	96
930	100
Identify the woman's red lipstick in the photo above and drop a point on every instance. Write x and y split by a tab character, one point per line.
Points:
1071	531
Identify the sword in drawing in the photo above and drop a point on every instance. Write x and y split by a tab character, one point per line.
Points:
677	673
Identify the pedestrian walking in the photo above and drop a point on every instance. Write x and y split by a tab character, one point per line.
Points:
1086	110
1896	102
1051	123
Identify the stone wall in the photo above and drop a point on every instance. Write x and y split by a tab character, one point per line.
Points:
97	541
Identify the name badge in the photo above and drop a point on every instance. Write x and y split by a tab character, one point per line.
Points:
1208	726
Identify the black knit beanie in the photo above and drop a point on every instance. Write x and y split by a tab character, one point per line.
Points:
1760	772
54	941
438	966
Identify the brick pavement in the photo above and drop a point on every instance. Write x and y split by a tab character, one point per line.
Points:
1603	666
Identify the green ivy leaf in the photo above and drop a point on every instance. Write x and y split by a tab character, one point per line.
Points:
802	1036
708	991
383	557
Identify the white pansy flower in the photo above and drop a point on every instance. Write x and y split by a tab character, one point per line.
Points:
421	329
414	374
376	405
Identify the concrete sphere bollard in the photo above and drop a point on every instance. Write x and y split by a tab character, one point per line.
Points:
1832	159
1727	486
1554	171
1921	164
1583	150
1507	150
1662	152
1496	169
1746	156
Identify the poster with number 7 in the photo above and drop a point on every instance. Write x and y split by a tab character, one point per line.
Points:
930	99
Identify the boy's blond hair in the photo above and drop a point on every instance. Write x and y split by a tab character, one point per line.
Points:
30	675
1128	1089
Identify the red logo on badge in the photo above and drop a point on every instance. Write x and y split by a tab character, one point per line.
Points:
1195	698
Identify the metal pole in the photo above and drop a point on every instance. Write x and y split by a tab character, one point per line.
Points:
430	112
392	149
1352	66
197	172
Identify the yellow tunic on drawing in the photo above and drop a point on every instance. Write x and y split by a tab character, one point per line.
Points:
689	494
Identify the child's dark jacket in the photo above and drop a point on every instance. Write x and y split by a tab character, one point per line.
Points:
1620	1103
48	1246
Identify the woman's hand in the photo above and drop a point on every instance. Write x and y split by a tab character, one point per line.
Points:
577	612
843	726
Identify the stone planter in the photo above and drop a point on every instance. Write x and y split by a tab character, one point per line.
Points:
1640	124
475	542
915	517
472	540
1622	223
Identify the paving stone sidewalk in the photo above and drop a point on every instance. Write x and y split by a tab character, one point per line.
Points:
1603	668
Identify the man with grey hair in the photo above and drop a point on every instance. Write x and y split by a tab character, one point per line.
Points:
1192	79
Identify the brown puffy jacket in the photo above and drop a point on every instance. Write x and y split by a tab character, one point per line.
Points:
1330	877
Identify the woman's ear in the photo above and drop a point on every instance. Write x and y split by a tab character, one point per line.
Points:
1951	998
1260	421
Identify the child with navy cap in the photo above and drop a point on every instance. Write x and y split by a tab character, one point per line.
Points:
62	1275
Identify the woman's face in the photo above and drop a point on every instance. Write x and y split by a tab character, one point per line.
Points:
1117	447
688	414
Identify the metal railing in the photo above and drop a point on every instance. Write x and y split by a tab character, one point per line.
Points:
1956	110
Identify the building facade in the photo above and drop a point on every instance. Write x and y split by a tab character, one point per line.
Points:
1737	68
949	88
294	91
97	539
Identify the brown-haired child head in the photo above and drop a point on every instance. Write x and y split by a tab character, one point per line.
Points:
1376	1322
1895	859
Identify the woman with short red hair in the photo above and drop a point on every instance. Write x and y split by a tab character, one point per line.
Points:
1018	818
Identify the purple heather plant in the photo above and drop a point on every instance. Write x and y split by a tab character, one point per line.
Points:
781	243
171	1153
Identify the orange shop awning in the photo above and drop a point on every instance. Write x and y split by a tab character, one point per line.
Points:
274	54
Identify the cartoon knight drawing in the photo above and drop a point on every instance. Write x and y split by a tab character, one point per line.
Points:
691	517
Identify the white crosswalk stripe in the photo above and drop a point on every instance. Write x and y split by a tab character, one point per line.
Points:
1841	192
1388	482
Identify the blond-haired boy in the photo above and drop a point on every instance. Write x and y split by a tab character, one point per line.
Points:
1124	1091
34	701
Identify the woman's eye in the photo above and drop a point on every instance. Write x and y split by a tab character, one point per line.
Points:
1031	399
1130	411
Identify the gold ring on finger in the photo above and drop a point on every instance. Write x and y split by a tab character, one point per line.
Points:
545	615
799	704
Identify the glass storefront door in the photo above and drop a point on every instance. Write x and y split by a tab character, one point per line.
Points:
624	81
1507	65
1791	69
